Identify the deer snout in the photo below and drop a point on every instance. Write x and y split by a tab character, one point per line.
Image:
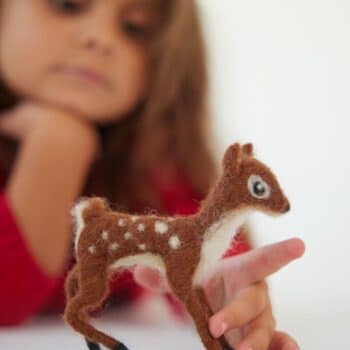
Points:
286	208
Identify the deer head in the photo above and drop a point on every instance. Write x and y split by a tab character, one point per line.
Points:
252	182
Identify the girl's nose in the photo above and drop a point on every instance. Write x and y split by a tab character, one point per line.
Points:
93	43
98	33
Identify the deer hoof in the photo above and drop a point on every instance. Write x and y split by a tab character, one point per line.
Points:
95	346
91	345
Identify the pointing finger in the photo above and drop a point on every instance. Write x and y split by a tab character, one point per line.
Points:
255	265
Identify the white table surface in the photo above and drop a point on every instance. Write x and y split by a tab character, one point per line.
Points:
151	325
148	324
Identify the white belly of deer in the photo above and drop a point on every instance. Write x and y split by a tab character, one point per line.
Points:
145	259
217	239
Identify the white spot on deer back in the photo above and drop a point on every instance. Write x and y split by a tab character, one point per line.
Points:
92	249
160	227
134	218
121	222
113	246
105	235
174	242
142	246
127	235
141	227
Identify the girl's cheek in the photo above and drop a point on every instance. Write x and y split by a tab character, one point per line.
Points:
134	77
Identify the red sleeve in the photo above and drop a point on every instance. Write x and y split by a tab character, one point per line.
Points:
25	288
180	198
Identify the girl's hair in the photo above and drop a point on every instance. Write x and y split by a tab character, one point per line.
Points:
171	126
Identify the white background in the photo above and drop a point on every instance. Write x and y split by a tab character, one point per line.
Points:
280	75
280	78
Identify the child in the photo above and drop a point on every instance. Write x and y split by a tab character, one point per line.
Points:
102	98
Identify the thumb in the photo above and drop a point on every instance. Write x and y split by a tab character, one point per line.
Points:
151	279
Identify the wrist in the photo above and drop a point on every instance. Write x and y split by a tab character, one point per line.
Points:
69	132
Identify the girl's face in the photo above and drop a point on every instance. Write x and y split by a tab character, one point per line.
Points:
85	55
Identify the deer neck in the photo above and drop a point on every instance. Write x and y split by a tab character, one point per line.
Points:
217	235
219	223
217	205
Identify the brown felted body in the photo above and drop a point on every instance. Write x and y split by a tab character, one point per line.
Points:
183	248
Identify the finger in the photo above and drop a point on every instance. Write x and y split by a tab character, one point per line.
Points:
259	334
257	264
215	292
283	341
150	278
248	304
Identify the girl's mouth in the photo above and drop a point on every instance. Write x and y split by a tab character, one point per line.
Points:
87	74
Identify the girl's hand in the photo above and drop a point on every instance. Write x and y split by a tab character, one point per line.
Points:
20	120
238	295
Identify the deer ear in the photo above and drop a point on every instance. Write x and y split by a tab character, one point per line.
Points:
232	158
248	149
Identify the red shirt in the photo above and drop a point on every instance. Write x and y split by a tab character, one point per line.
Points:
26	290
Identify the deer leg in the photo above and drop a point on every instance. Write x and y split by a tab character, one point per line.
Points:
201	312
71	284
93	289
196	305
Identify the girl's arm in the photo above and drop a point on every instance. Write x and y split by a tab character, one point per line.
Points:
52	162
24	287
48	175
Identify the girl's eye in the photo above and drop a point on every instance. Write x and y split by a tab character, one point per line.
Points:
139	22
135	30
69	6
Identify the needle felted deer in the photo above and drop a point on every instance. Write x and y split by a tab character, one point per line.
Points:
182	248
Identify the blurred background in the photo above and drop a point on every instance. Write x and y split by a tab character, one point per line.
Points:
280	78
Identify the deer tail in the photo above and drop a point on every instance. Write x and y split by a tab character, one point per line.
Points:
85	210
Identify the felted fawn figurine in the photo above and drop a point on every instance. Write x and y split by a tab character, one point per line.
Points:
183	248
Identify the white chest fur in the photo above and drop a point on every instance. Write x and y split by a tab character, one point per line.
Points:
217	239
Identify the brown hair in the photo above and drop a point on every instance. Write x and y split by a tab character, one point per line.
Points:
171	126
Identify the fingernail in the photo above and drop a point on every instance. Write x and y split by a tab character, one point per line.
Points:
220	329
224	327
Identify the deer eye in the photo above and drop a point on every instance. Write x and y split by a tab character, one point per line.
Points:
258	187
